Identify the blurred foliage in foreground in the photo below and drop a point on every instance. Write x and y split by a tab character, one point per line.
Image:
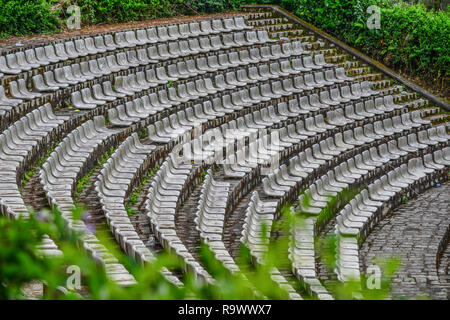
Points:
21	263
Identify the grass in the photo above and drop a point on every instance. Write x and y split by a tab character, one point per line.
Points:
83	183
134	197
143	133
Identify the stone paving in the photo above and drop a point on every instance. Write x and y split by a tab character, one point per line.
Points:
413	233
185	225
444	269
233	226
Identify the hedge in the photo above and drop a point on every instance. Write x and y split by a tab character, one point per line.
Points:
212	6
21	17
112	11
410	39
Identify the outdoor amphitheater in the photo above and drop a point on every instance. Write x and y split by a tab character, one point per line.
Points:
216	130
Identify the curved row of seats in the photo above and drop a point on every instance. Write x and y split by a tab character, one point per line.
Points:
169	188
65	76
302	252
176	125
307	133
114	183
213	225
18	62
21	143
407	120
280	182
59	175
134	83
210	218
56	164
197	150
188	68
358	217
57	80
97	68
303	257
301	172
397	124
331	184
261	213
352	172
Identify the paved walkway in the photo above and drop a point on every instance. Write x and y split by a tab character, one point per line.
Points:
413	233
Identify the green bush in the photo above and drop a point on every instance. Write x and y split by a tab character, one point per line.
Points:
411	38
21	17
21	263
212	6
112	11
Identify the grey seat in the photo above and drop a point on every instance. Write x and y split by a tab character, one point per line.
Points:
149	78
263	36
97	93
206	27
22	60
20	87
100	44
70	49
152	35
81	49
108	91
30	56
78	102
319	60
40	86
120	40
341	75
195	29
14	64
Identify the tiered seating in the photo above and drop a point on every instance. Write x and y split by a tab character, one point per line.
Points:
334	150
303	257
258	213
283	116
114	183
259	217
69	65
168	190
348	175
356	219
210	217
59	175
42	56
143	80
19	145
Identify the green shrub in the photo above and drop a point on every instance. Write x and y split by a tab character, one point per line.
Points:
21	17
112	11
21	262
411	38
213	6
